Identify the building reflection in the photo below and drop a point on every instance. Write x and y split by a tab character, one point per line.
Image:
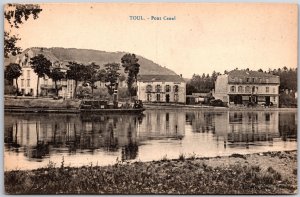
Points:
159	124
40	135
242	128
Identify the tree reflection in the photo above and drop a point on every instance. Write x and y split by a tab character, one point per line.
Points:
47	134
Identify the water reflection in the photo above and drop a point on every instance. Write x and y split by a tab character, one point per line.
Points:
37	134
36	137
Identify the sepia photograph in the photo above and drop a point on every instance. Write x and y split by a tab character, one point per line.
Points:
150	98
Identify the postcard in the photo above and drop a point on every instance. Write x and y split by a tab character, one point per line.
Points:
150	98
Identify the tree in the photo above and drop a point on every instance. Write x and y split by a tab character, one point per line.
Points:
14	15
13	71
131	66
92	74
75	73
112	76
56	75
41	66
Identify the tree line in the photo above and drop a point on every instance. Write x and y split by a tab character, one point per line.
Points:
88	74
201	83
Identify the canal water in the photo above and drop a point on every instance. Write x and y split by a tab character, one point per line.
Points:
35	140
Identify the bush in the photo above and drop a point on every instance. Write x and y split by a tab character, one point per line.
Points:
217	102
10	89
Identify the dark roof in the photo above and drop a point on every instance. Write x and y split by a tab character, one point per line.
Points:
160	78
246	73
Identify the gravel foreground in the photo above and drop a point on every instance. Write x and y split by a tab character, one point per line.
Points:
261	173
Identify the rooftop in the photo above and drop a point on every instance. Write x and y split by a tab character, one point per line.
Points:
160	78
246	73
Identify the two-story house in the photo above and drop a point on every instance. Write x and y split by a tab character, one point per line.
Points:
161	88
28	80
240	87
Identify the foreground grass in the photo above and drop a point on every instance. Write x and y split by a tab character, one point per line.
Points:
181	176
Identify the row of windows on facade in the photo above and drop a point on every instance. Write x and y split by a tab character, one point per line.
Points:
22	83
28	82
248	89
158	88
158	97
28	74
248	80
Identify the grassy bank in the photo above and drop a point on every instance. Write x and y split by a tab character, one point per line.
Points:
264	173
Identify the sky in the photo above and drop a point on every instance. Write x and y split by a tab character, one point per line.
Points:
203	38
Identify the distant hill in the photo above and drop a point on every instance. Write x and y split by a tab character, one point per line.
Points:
85	56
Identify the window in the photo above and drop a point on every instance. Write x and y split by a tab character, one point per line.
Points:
260	80
248	79
267	89
158	97
148	97
28	74
149	88
176	88
253	80
274	90
158	88
167	88
247	89
267	80
28	82
240	89
176	97
267	118
22	82
232	88
46	82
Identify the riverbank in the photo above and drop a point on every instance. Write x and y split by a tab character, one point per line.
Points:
261	173
212	108
72	106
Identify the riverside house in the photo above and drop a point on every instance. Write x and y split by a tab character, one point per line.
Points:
161	89
241	87
28	80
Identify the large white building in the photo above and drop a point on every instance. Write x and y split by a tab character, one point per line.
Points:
161	89
240	87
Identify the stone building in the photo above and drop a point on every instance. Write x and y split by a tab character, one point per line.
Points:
161	89
240	87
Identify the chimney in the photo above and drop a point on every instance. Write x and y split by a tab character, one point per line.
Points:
181	75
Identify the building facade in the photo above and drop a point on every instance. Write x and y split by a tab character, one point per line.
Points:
241	87
161	89
27	82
